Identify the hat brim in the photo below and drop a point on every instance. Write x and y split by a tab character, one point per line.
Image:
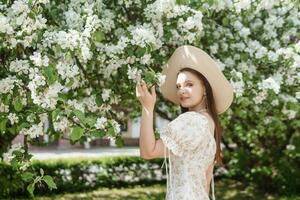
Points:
195	58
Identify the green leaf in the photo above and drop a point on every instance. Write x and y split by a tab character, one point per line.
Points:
111	131
15	163
119	142
70	83
62	97
30	2
140	51
31	15
98	134
99	101
30	188
76	133
99	36
49	73
150	47
244	56
55	114
182	2
211	2
27	176
91	121
23	125
3	124
225	21
12	129
18	104
130	52
79	114
48	179
7	99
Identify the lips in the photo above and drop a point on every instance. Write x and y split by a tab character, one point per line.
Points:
183	98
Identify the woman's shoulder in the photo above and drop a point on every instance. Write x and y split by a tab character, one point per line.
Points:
190	116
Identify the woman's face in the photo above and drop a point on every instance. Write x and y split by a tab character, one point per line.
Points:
190	90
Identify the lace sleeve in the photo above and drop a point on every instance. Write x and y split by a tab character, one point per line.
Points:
186	133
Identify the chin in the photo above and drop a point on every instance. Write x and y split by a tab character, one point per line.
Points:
185	105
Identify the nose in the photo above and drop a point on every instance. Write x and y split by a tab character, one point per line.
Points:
181	91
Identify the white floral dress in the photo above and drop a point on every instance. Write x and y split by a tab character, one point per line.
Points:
189	138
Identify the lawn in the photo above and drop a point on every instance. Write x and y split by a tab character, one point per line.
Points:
224	190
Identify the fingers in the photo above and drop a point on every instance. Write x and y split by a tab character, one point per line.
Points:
137	93
138	79
144	86
153	92
142	89
138	90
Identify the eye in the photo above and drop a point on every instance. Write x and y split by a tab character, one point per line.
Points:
189	84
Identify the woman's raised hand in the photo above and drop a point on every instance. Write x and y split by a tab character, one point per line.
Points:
146	98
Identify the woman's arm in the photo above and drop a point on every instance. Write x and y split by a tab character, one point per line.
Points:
147	138
209	174
149	146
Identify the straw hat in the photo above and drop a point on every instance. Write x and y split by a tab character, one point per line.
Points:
195	58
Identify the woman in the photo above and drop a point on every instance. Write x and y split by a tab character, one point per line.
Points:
192	141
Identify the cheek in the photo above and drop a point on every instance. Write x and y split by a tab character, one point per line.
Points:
196	93
190	90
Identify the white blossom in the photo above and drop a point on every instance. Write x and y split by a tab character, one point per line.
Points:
61	125
76	104
258	99
101	123
13	118
297	46
214	48
275	102
242	5
4	108
291	114
90	179
134	73
142	35
5	27
39	60
67	70
65	174
238	88
290	147
161	78
34	131
146	59
107	20
192	22
272	56
73	19
7	84
48	98
297	95
86	53
19	66
8	156
270	83
106	94
117	126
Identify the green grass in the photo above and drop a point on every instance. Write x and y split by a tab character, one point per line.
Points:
224	190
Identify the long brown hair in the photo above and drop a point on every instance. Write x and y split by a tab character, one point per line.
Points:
212	111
